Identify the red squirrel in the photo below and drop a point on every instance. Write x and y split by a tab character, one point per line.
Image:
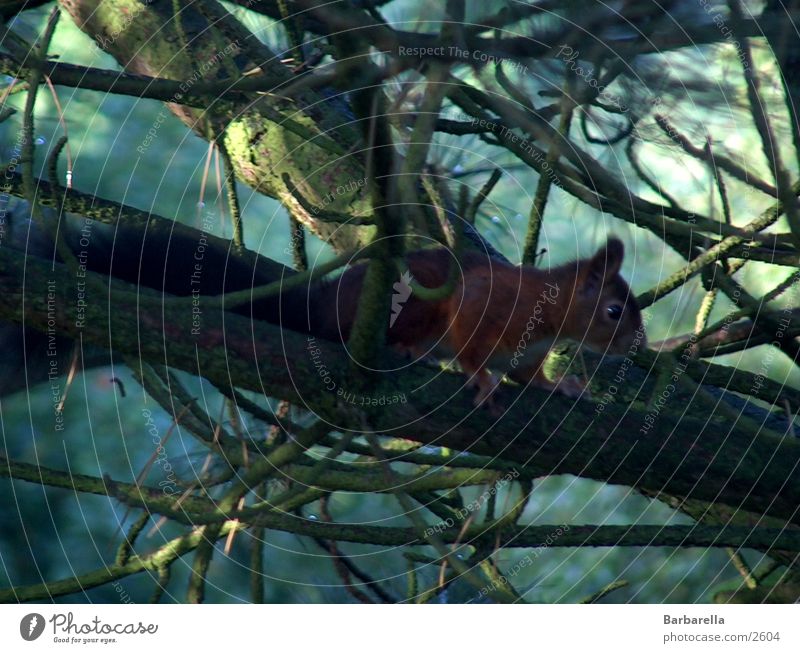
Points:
499	317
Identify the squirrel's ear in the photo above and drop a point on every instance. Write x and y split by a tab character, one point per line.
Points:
604	265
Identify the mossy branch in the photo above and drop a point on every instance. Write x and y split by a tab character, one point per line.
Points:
525	537
738	467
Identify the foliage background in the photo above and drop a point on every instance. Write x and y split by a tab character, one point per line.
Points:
50	533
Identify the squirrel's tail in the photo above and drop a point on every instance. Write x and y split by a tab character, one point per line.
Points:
156	255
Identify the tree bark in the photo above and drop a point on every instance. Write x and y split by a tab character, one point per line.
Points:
683	456
305	137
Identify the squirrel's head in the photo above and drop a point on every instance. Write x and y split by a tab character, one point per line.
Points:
606	316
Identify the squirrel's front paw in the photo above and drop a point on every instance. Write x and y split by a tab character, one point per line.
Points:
573	387
487	384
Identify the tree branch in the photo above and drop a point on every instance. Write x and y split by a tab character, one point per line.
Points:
549	434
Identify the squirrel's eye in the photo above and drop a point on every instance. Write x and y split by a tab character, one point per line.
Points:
614	311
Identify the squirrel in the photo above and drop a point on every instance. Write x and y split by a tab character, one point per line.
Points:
499	317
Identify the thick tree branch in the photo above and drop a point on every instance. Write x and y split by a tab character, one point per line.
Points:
680	455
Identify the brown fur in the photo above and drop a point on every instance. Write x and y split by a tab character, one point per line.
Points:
499	316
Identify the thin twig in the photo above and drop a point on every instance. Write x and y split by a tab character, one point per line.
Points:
483	193
611	587
742	567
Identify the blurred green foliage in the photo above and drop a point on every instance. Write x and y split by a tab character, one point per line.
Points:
46	534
